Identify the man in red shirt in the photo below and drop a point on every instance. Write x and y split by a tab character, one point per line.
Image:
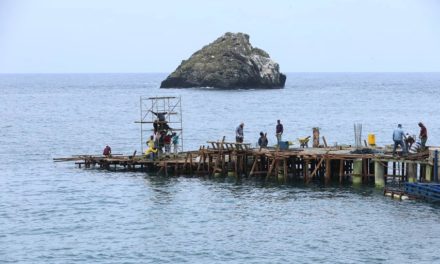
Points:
167	142
107	151
423	135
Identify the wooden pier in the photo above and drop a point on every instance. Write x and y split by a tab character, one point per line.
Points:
327	164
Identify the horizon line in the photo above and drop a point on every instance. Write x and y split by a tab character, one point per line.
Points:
287	72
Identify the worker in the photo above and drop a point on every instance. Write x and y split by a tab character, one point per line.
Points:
160	115
107	151
167	142
175	140
160	141
423	135
151	150
239	133
409	141
398	137
262	141
279	131
160	124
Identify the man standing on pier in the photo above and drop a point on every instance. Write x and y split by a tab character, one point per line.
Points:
239	133
398	137
279	131
423	135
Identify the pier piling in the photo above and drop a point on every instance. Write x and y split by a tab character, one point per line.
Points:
357	171
379	172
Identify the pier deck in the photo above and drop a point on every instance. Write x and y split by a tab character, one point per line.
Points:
219	158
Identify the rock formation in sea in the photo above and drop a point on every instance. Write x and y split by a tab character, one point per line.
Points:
228	62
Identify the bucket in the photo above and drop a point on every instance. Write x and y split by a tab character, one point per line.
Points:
371	139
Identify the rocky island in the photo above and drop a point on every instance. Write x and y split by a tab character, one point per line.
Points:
228	62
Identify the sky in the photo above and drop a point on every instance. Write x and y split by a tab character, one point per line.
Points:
100	36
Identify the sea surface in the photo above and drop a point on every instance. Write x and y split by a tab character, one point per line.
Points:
57	213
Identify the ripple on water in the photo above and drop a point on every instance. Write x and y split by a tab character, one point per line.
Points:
55	213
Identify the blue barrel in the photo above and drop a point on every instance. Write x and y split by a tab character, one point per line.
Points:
283	145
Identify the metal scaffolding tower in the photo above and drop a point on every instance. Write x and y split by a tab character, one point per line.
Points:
153	109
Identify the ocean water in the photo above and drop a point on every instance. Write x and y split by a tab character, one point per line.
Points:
56	213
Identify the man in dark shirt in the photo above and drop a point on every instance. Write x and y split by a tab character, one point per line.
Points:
160	123
167	143
262	141
279	131
423	135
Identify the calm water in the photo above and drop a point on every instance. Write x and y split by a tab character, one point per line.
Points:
56	213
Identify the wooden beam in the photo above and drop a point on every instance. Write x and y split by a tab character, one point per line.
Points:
364	170
327	171
341	170
236	166
271	167
190	164
317	167
306	171
209	164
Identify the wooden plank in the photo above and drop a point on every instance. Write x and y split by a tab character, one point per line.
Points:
254	165
259	172
317	167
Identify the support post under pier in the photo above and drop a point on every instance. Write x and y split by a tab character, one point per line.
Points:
411	172
357	172
379	171
428	173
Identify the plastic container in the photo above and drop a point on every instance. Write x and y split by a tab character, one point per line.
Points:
371	139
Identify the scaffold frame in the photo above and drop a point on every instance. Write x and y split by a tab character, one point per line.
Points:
170	107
